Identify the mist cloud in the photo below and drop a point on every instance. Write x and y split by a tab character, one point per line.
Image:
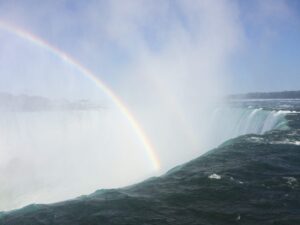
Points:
167	60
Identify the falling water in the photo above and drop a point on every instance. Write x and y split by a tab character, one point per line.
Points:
51	155
232	122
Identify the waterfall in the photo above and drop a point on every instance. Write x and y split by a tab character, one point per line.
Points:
49	156
228	122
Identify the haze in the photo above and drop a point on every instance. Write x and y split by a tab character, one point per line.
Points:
170	62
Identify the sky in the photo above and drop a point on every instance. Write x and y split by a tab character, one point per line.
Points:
268	60
167	61
254	43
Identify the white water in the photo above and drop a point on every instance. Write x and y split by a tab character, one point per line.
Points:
232	122
54	155
49	156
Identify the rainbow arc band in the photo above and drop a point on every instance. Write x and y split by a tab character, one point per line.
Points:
17	31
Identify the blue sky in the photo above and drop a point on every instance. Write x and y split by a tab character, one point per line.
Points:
270	58
259	51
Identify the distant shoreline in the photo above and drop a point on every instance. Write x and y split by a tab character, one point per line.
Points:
267	95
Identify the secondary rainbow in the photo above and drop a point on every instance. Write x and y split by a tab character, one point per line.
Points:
90	75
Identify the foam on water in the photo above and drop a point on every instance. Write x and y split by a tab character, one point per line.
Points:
214	176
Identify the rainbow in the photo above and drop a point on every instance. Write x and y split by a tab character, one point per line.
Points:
94	78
